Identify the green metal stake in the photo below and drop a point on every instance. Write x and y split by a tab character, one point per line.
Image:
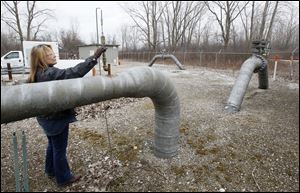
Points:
16	162
25	164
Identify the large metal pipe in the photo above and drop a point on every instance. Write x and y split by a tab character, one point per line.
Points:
163	56
252	65
29	100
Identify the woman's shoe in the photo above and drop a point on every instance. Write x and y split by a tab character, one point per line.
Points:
51	177
72	180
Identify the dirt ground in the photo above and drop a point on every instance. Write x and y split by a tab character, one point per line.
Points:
256	149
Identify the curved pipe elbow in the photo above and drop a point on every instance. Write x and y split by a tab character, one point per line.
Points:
253	64
30	100
172	57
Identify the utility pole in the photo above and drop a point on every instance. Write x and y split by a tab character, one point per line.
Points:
98	37
105	68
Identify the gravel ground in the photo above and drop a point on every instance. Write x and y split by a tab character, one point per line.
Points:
256	149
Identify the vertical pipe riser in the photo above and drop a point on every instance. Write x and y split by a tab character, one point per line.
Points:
263	79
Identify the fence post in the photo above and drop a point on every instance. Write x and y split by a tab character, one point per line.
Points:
16	162
25	178
9	71
276	58
143	56
216	60
200	59
25	164
291	68
109	70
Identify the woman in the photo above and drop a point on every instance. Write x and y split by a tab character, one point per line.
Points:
56	125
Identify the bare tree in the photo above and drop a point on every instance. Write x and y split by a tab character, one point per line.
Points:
134	38
69	41
181	19
251	24
124	37
269	32
111	39
13	18
248	25
192	19
263	21
202	35
35	19
228	13
8	42
48	36
146	17
286	32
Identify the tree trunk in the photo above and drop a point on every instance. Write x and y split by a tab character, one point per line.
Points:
251	25
263	21
268	37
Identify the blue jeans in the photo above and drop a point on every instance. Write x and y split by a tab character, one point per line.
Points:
56	158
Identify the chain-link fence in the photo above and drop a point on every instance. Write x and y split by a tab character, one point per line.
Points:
287	62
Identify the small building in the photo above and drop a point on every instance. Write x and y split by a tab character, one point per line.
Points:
111	52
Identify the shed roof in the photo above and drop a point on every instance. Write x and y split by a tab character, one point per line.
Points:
106	45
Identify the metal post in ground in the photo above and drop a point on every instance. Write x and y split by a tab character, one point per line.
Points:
143	57
216	60
291	68
25	164
16	162
109	70
17	170
108	136
9	71
200	58
275	69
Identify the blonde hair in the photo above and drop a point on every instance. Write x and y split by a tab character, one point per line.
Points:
37	60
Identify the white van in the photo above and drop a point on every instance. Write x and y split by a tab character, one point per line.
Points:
15	58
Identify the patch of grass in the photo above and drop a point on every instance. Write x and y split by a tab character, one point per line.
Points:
116	184
210	137
148	106
220	167
184	130
126	148
126	154
227	178
200	173
90	136
179	171
257	157
199	145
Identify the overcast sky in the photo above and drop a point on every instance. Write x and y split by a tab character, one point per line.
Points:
83	13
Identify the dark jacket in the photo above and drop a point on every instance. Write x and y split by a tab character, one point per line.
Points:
53	123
